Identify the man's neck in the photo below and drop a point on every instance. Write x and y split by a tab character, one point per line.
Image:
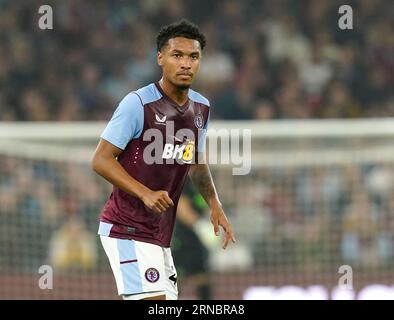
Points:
180	96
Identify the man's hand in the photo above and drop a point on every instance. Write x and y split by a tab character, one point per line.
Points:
218	218
158	201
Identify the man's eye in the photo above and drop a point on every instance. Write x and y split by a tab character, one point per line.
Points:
177	55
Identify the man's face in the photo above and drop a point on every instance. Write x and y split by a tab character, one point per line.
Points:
180	60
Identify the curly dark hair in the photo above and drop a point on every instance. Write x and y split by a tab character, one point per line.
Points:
182	28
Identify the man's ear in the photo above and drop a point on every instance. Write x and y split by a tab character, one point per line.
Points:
159	58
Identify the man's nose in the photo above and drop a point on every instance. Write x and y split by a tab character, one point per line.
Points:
186	63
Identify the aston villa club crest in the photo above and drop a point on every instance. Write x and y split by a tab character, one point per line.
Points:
198	121
152	275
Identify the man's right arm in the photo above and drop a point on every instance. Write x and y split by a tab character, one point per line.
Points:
104	162
126	124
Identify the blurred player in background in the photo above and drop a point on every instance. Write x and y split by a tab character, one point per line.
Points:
137	222
188	248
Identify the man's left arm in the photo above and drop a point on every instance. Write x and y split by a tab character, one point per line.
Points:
202	179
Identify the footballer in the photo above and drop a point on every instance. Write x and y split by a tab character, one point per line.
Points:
137	221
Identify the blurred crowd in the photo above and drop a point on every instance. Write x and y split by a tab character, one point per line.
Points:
49	214
264	59
298	217
314	218
357	200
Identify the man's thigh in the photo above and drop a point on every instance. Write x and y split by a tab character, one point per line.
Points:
138	267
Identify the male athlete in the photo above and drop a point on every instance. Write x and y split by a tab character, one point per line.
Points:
152	142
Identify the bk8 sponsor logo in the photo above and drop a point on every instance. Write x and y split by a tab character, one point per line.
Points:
183	152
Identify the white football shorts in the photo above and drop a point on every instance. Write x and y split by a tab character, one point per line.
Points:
141	269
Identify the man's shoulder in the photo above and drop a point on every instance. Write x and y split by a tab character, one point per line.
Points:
148	94
198	97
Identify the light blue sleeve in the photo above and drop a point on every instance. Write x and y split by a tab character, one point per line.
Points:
203	137
126	123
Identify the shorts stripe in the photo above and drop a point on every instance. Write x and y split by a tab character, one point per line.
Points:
105	228
130	271
128	261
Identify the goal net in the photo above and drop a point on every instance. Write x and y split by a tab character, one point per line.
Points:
316	200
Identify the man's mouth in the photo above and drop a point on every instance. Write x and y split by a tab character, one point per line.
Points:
185	74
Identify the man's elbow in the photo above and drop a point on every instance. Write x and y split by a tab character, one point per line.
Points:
95	163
